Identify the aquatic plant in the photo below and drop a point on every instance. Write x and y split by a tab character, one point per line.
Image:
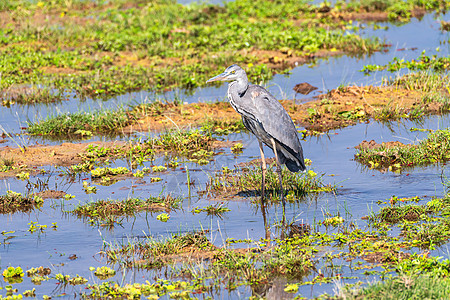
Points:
102	210
434	149
13	202
248	182
422	63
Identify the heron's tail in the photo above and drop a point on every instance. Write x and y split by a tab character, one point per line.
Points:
297	164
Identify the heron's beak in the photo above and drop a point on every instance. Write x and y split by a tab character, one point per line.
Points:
218	77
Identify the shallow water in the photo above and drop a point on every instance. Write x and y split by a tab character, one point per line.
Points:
332	154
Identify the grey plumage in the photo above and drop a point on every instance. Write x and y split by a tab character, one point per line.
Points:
264	116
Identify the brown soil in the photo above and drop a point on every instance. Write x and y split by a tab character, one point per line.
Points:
374	145
376	16
51	194
66	154
385	257
172	116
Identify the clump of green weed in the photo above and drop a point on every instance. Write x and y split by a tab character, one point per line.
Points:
106	121
434	149
414	286
396	213
247	180
6	164
13	202
153	253
30	95
101	210
194	144
421	63
220	127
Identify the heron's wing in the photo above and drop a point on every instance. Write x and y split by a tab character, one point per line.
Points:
274	118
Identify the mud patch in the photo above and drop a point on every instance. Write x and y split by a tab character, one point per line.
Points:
365	145
51	194
168	116
65	154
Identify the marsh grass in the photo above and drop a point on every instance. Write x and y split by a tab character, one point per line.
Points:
30	95
428	286
193	143
104	209
6	164
434	149
113	121
422	63
236	266
196	145
153	253
124	48
106	121
435	86
247	181
16	202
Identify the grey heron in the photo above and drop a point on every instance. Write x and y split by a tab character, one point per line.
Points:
267	119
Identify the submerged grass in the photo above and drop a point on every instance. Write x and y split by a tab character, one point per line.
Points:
434	149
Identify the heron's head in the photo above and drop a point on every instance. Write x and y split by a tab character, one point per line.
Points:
233	72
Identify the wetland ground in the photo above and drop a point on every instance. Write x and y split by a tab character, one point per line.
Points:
122	175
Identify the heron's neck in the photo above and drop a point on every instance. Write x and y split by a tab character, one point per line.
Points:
238	87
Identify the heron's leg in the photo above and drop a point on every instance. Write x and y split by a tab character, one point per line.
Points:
280	178
263	203
263	171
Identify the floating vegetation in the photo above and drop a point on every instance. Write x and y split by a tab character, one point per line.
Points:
104	272
106	210
102	172
212	210
422	225
13	275
174	289
247	181
395	155
13	202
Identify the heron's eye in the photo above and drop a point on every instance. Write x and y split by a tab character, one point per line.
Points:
232	72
